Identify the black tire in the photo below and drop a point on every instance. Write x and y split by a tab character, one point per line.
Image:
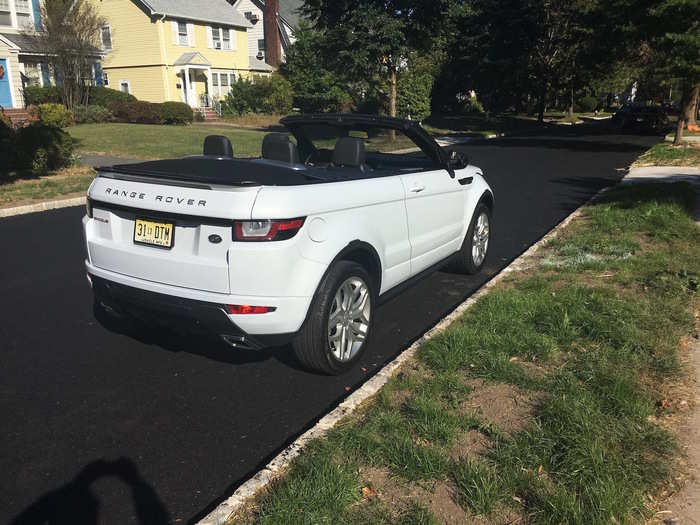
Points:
464	261
311	345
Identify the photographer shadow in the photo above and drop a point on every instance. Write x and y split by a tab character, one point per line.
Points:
76	503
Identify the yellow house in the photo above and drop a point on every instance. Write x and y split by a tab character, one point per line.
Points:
173	50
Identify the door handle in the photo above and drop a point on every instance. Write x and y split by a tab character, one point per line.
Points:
417	189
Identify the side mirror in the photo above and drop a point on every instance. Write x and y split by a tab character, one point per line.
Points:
456	161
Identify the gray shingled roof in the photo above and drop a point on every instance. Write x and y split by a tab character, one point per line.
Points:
257	64
215	11
194	58
289	11
29	44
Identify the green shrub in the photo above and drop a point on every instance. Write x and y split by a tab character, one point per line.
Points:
35	95
136	112
472	106
103	96
198	117
7	148
56	115
413	95
239	99
92	115
271	95
175	113
275	94
42	148
588	103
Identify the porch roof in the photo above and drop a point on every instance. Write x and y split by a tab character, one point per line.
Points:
32	45
192	59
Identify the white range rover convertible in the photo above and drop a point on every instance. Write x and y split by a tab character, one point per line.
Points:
299	245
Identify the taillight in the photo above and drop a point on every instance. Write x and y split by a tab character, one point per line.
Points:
266	230
246	309
88	207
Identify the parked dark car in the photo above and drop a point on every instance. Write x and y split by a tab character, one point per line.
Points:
640	119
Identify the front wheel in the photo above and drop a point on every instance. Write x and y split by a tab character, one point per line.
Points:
472	255
339	323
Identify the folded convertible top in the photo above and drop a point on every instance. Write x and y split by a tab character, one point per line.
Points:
208	170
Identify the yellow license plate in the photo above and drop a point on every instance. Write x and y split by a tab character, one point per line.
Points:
154	233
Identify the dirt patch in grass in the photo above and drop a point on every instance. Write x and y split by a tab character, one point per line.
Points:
503	405
438	497
470	445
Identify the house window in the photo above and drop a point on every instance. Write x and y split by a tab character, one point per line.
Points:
226	36
261	47
106	37
24	13
182	34
105	79
5	14
216	37
124	86
225	84
32	74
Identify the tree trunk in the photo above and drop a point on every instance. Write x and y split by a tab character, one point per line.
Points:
392	100
571	103
692	116
541	103
688	101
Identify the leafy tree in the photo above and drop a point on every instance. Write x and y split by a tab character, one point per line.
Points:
316	87
367	38
675	43
70	40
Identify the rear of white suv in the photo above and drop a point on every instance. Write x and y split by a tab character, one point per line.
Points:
217	261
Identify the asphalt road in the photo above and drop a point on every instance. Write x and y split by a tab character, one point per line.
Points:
99	427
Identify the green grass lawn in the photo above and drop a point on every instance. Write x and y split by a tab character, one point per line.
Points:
664	154
540	404
155	142
17	190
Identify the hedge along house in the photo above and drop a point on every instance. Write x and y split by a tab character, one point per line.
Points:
174	50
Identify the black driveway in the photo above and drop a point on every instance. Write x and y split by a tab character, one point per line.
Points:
101	427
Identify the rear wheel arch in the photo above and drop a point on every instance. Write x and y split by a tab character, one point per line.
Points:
365	255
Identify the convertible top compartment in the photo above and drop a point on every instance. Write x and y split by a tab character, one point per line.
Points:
208	170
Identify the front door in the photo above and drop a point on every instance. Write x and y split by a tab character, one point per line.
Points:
5	94
435	205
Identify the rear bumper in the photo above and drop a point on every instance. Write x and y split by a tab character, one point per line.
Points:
287	319
189	314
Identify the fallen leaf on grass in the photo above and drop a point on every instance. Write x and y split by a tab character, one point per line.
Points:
663	404
368	492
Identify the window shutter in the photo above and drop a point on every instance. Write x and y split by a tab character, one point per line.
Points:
233	35
173	26
210	39
190	34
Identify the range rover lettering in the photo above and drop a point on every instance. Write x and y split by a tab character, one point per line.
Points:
299	245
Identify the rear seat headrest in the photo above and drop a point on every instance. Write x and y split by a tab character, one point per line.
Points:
278	147
218	146
349	152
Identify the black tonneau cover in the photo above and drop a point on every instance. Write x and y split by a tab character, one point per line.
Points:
210	170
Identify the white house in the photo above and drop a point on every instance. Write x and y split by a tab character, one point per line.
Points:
22	61
268	48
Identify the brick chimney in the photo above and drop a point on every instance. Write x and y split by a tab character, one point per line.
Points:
273	46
